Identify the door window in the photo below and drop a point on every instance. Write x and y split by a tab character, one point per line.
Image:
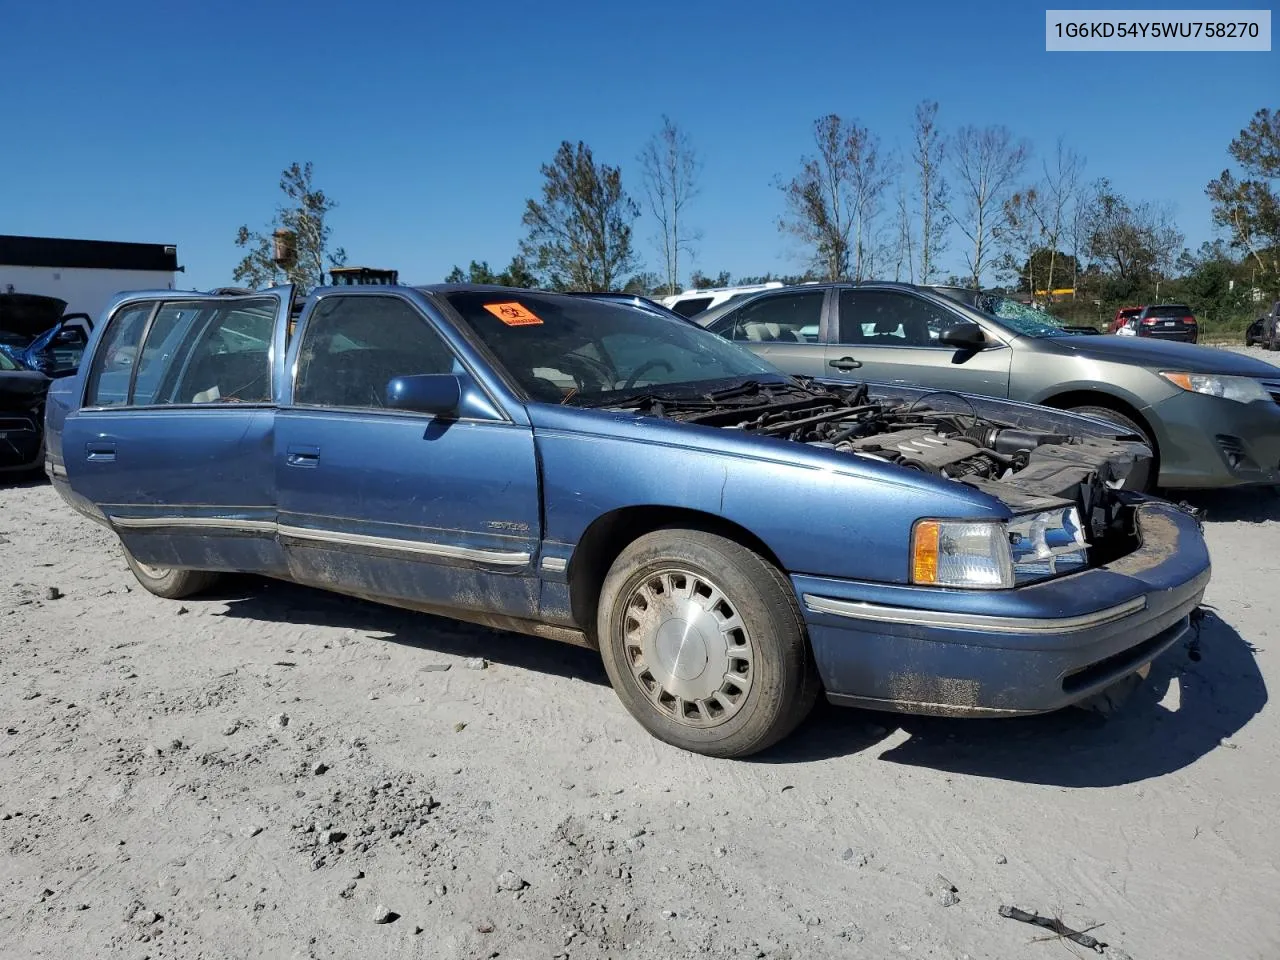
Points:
113	363
216	352
891	319
780	318
352	347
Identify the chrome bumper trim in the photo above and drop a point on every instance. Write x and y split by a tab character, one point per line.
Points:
982	623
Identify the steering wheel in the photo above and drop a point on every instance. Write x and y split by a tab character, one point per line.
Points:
647	365
593	367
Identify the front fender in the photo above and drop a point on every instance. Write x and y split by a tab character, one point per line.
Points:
817	511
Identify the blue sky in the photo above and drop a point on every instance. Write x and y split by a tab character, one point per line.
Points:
162	122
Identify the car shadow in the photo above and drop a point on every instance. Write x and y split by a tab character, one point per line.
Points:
1184	710
1248	505
256	598
22	479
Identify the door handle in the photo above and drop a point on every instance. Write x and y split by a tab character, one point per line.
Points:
100	451
845	363
302	456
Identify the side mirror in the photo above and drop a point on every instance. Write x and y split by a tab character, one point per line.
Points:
437	393
964	336
70	335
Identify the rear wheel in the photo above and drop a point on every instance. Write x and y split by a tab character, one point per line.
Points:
168	582
704	643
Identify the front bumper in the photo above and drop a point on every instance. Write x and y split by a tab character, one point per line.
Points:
1211	442
1029	650
20	446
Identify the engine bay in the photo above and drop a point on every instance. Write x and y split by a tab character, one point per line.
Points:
1026	465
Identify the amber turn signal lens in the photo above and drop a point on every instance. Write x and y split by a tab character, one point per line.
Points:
924	552
1182	380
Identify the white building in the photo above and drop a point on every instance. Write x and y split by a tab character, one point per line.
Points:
84	273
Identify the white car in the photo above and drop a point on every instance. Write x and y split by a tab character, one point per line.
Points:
692	302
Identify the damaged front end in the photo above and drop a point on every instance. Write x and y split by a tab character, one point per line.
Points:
1038	462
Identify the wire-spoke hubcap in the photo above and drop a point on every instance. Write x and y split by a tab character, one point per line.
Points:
687	647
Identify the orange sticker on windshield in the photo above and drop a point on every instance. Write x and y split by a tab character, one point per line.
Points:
513	314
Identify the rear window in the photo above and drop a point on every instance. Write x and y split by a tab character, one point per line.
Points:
1169	310
687	308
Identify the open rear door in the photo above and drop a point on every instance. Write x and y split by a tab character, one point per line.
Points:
173	437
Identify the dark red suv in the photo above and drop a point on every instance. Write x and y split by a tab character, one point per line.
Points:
1122	317
1168	321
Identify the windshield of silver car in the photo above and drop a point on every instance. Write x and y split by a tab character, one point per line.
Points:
577	350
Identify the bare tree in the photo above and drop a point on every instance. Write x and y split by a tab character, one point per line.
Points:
671	169
580	234
1135	242
928	154
1059	197
903	252
833	203
870	173
987	162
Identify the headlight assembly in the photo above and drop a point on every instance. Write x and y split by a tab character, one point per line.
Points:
993	555
1240	389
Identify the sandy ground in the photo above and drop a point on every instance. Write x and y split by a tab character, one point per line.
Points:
269	771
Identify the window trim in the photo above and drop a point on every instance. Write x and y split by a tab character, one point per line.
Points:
996	339
158	303
372	290
92	373
732	317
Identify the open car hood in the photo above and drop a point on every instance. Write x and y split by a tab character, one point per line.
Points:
29	314
1028	457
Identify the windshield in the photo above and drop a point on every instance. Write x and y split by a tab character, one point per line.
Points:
1168	310
579	350
1021	319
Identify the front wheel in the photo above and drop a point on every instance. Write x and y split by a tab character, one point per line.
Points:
169	582
704	643
1129	426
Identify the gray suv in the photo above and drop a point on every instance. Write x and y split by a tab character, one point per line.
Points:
1211	416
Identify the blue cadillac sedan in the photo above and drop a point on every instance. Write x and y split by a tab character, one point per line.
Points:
733	541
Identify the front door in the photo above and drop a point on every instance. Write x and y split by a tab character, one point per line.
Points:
783	328
173	438
891	336
397	505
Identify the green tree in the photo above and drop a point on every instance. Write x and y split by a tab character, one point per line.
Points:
302	219
701	281
1249	208
517	274
1134	243
580	233
1210	283
1043	267
646	285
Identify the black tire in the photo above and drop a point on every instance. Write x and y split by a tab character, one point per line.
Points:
1114	416
168	582
777	665
1108	701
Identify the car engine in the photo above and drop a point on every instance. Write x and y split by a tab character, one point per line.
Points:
1023	465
